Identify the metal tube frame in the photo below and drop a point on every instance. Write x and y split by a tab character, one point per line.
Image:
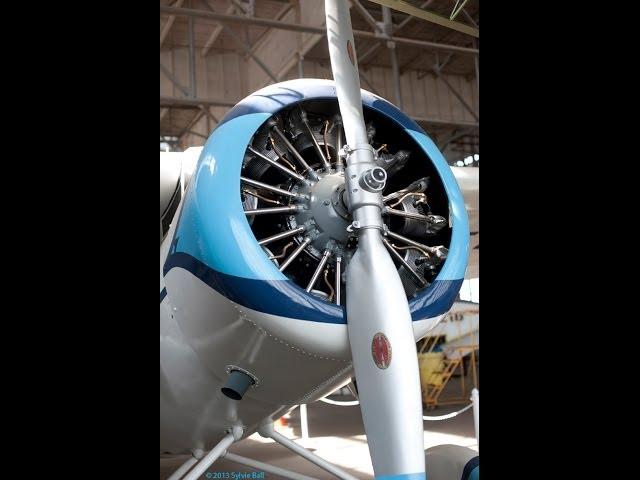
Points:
408	241
282	168
206	461
184	468
281	235
323	160
399	257
402	213
266	467
338	278
475	398
267	211
295	153
295	254
267	430
316	274
271	188
304	423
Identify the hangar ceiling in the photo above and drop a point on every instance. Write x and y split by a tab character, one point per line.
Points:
215	52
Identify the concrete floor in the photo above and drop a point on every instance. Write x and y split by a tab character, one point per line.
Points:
337	435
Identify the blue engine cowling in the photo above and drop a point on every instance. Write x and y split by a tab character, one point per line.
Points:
214	241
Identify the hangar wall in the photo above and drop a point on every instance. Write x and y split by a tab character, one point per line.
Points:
229	77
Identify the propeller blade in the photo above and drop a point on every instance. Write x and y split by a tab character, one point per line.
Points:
378	319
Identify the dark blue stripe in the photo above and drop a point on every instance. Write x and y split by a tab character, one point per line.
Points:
434	300
286	299
392	111
163	294
276	97
277	297
470	468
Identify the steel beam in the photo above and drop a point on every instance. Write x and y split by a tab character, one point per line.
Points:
215	34
477	70
193	102
174	80
192	60
437	65
209	114
396	76
191	124
470	18
366	81
404	23
169	24
418	43
283	11
247	50
374	48
405	7
410	62
455	93
244	45
456	135
191	132
364	13
239	6
400	26
388	27
264	22
448	123
309	29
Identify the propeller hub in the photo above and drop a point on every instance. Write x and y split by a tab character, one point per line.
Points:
327	210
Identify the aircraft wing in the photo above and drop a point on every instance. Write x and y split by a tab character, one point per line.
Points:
467	178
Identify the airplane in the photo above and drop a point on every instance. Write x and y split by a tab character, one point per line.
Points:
308	245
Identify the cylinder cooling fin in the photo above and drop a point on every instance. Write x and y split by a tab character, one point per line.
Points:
269	205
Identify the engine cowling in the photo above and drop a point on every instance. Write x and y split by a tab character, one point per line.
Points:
295	126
